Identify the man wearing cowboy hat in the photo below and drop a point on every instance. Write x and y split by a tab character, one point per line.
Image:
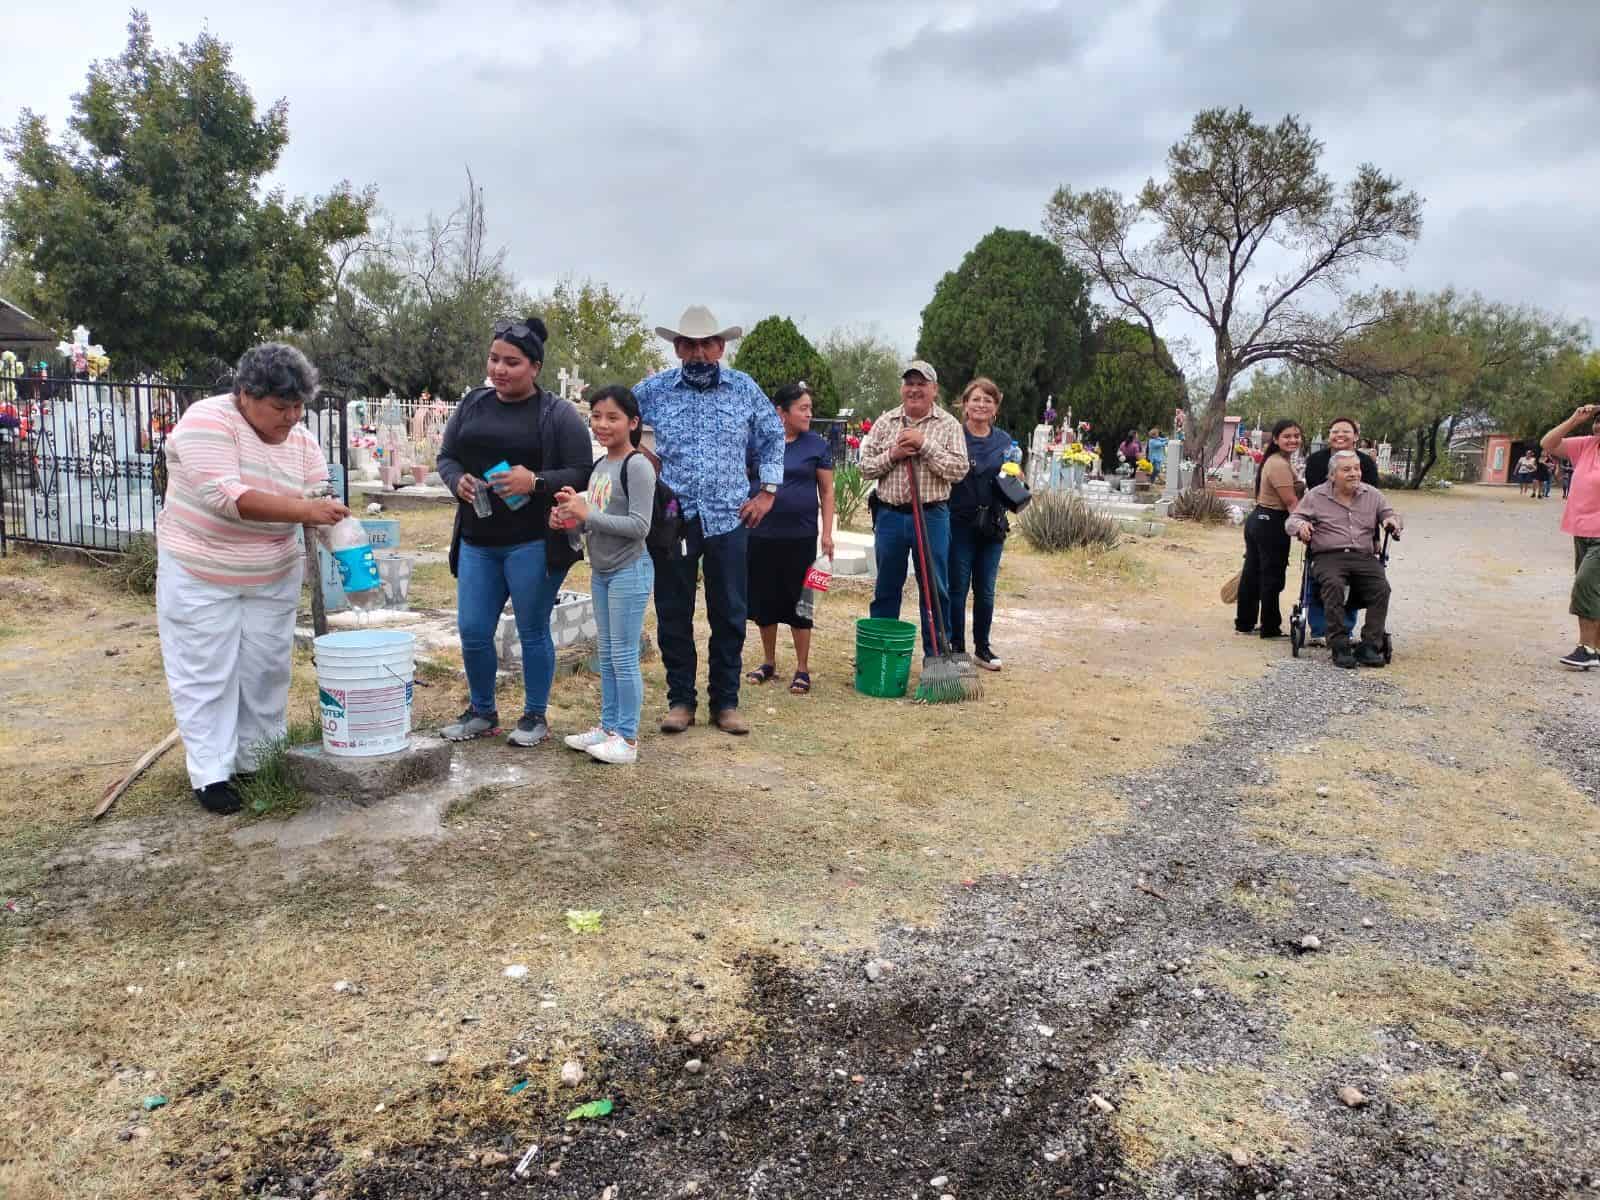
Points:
707	418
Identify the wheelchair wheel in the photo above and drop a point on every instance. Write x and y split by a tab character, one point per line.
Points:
1388	648
1297	631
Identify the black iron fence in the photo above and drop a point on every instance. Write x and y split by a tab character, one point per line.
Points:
83	462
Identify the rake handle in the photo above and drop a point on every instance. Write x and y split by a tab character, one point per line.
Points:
929	588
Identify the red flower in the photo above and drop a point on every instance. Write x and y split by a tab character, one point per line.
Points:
866	425
853	442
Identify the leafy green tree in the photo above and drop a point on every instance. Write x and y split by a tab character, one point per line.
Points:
775	352
866	370
146	223
1016	311
1125	388
599	333
1248	237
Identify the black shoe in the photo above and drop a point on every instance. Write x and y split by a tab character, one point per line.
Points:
219	798
1370	656
1344	656
1272	633
1581	657
1244	632
986	658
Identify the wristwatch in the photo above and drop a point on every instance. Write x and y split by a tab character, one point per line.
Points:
770	489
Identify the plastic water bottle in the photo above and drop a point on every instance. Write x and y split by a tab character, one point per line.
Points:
511	502
818	576
358	569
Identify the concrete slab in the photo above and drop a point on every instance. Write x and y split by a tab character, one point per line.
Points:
365	781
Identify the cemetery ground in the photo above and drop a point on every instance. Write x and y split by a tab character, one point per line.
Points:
1125	927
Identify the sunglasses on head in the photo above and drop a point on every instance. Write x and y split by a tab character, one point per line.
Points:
516	329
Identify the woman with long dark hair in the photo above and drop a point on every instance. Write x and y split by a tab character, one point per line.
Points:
1266	543
507	450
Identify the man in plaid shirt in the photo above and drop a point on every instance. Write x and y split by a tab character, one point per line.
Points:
922	433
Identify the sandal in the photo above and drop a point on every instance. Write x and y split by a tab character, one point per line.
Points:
801	684
763	673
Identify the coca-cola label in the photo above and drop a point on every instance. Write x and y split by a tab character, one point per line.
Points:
817	580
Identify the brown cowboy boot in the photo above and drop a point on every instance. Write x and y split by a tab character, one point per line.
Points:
679	717
729	721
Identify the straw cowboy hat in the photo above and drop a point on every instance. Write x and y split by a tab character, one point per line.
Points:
696	323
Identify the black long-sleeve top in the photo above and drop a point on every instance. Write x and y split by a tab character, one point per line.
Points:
1317	468
542	432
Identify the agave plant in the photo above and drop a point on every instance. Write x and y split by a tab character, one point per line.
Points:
1061	520
1199	504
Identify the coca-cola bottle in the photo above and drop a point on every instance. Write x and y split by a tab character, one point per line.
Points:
818	575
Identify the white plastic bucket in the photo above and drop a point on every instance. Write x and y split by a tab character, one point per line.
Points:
364	679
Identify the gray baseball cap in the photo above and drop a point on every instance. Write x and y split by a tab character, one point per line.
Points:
921	368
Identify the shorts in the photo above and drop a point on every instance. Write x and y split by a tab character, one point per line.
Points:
777	569
1586	583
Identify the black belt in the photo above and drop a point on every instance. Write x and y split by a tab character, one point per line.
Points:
927	506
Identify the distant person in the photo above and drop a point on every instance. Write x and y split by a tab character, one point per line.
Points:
784	546
978	523
1130	450
1266	544
1526	465
1342	435
707	418
1550	466
1581	520
511	552
1340	522
615	514
229	565
1566	480
1156	450
923	434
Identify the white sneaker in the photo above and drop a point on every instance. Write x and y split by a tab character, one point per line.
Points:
589	737
614	749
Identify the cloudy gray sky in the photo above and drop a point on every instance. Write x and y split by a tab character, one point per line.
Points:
831	160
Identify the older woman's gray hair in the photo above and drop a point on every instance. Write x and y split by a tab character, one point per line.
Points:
276	369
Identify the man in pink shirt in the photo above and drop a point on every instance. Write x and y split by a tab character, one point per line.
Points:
1581	519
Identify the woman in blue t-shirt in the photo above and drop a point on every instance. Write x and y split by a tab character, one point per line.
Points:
977	523
783	546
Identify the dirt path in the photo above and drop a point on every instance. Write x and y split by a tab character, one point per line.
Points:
1086	928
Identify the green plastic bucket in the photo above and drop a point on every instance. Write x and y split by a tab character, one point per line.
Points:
883	656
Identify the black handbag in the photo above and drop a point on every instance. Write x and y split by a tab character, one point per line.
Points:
1012	492
992	523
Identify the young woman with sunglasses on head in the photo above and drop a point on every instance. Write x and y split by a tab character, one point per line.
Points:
507	450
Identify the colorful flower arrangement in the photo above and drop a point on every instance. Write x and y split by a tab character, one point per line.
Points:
1074	455
1012	469
852	441
1144	465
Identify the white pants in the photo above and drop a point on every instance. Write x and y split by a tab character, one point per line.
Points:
228	653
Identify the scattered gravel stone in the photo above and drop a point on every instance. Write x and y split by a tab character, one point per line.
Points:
438	1058
874	970
1353	1097
344	985
1367	922
1508	1077
493	1158
697	1038
1311	942
571	1073
1240	1156
939	1181
693	1066
1100	1102
515	971
1324	791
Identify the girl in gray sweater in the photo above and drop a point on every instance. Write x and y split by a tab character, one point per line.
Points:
616	518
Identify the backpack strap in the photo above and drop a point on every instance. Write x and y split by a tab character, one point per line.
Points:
625	462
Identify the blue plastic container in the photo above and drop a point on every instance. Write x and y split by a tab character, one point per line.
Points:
511	502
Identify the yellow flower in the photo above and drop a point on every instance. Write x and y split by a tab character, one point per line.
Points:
1011	469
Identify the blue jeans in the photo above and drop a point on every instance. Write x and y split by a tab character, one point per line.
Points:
677	582
973	561
620	597
893	539
485	576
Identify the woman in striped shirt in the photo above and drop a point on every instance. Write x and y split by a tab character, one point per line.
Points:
228	580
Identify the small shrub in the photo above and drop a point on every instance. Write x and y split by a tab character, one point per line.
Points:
135	570
1199	504
270	788
849	492
1064	520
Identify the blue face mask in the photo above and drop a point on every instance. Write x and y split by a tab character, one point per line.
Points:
702	376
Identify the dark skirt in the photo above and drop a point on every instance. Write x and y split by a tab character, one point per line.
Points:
777	577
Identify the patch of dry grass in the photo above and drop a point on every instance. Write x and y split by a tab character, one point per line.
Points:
1171	1112
1487	1125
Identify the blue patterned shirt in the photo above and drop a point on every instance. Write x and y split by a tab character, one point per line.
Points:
702	437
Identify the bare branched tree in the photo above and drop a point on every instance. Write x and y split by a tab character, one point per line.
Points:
1248	237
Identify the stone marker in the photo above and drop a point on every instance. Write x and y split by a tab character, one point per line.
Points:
365	781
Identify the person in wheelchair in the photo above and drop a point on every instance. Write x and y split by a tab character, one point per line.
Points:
1340	521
